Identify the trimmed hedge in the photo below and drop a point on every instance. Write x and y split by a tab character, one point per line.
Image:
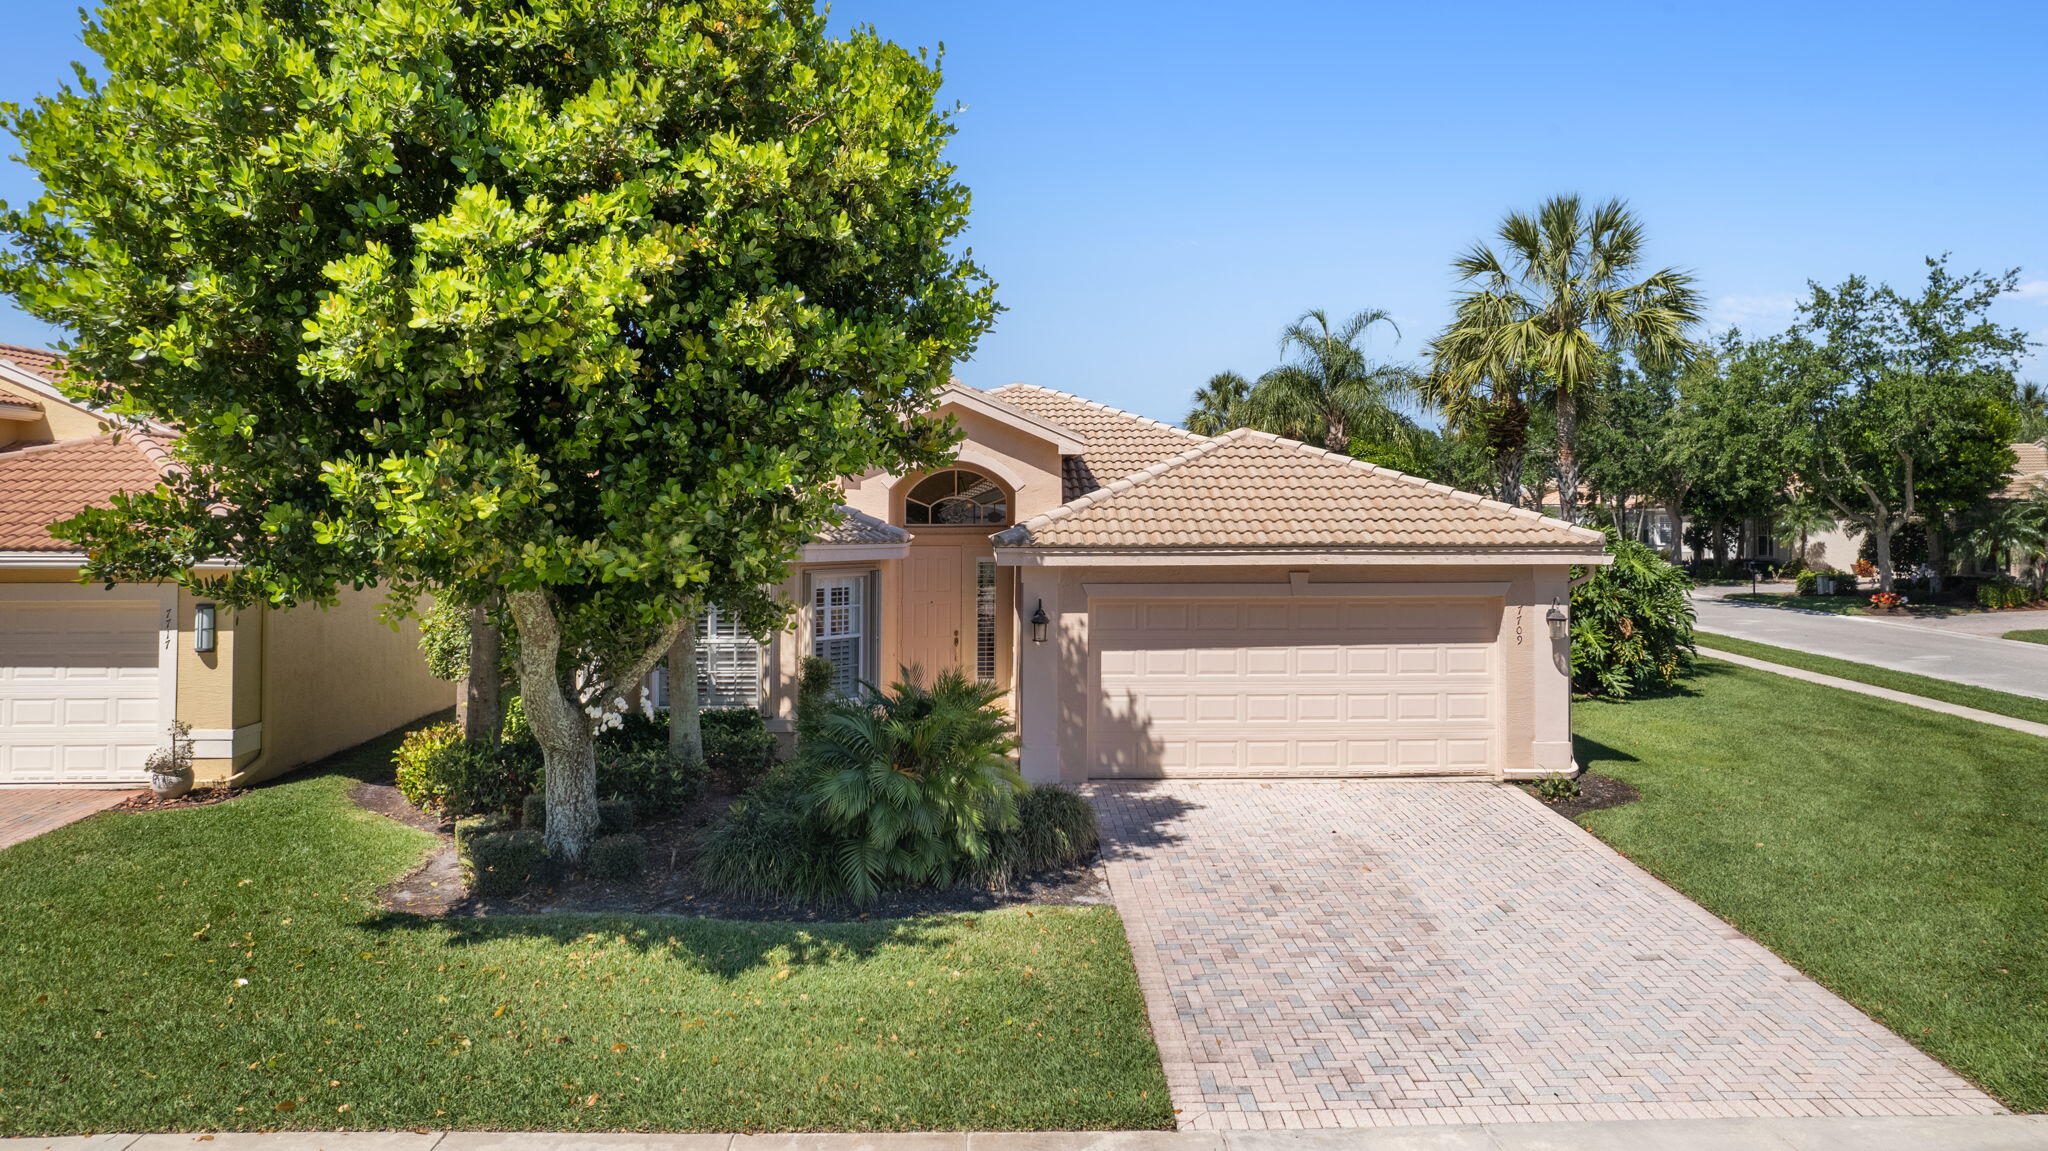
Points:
613	815
439	770
1055	828
505	862
616	857
738	748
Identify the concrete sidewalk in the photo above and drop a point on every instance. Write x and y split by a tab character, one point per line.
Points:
2029	727
1983	661
1957	1133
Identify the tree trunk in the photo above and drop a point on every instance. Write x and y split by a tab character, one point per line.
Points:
1509	464
1720	530
1567	456
1937	551
1881	540
483	700
567	738
685	729
1676	510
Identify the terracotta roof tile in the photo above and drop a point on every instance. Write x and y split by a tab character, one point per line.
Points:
50	482
16	399
861	528
2030	474
1119	442
36	361
1250	489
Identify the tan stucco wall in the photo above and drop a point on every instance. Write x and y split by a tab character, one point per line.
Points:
1021	461
59	422
334	678
1055	683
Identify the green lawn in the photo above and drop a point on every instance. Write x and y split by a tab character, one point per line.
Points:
1831	604
1894	854
1982	698
2031	635
223	967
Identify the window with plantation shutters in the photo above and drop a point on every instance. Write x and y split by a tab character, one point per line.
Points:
839	629
985	621
728	663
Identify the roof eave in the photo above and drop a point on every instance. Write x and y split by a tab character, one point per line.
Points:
1026	555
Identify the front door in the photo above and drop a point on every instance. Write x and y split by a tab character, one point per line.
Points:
934	608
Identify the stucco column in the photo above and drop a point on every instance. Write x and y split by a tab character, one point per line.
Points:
1551	676
1037	694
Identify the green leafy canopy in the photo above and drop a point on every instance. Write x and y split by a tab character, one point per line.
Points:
594	297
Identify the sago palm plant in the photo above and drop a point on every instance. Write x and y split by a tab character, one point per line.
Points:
913	780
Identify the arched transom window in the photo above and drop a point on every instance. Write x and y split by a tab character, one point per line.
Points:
956	496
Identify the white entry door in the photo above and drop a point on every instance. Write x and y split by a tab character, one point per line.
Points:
81	701
1294	687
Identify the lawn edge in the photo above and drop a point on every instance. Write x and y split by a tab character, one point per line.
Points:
1984	699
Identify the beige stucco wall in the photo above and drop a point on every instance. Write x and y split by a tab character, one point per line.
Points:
59	421
1054	687
1026	464
333	678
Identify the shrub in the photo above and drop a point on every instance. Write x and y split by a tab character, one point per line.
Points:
913	780
773	843
738	748
1055	828
504	862
637	731
2003	594
533	811
1808	584
614	816
439	770
470	827
1631	623
1557	786
656	783
622	856
1791	568
813	694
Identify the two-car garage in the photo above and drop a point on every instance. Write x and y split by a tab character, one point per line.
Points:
1276	685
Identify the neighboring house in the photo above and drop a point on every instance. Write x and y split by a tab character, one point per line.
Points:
1158	603
91	677
2029	473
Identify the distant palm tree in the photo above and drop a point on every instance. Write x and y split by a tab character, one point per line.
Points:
1331	391
1556	307
1219	405
1480	393
1804	517
2032	401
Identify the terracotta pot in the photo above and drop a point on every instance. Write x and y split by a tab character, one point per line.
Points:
170	786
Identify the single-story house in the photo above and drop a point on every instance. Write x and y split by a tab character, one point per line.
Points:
92	677
1158	603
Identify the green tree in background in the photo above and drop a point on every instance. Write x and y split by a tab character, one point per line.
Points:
1557	307
1332	391
584	304
1899	406
1219	405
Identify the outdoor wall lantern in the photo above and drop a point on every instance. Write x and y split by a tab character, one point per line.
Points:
203	627
1038	622
1560	624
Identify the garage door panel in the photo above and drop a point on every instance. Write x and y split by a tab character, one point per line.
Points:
1319	687
79	691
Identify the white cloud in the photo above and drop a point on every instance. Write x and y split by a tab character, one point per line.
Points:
2036	290
1753	313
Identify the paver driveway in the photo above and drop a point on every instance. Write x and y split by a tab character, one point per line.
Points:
1356	953
26	812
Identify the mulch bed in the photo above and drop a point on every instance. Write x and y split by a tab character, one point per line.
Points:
197	797
672	886
1596	792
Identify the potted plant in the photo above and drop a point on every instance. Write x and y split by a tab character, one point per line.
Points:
170	766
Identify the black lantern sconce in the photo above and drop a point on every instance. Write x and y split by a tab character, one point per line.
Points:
203	627
1038	622
1560	624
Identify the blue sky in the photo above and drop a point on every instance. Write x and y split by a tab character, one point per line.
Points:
1159	187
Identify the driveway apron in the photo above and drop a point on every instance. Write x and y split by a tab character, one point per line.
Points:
1361	953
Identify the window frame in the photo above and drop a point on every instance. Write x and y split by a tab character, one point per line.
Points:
864	615
1007	505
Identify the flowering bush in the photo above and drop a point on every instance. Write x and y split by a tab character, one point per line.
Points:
1886	600
1864	569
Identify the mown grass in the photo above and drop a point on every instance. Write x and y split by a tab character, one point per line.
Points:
1982	698
2028	635
1892	853
225	968
1830	604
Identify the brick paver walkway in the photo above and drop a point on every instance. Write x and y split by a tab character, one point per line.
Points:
28	812
1355	953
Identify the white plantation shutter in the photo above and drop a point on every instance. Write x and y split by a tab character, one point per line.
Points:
839	629
728	663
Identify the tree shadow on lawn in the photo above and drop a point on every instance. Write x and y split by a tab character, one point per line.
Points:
723	948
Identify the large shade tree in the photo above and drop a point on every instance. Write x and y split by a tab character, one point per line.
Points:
584	304
1899	406
1554	311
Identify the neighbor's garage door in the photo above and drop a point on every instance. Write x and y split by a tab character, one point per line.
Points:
1294	686
78	691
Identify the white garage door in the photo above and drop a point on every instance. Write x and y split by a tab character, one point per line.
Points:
79	695
1294	687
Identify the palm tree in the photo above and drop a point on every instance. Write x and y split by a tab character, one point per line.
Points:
2032	400
1481	395
1332	391
1219	404
1557	307
1804	516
